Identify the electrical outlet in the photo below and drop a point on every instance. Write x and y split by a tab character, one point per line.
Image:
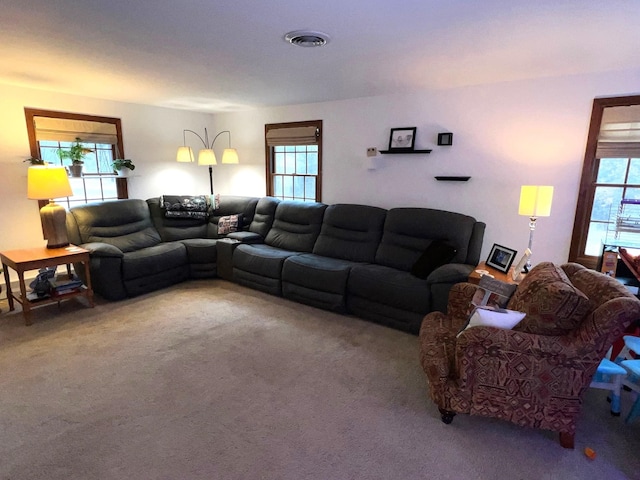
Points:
372	152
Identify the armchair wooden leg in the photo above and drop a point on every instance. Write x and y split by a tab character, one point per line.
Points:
567	440
446	415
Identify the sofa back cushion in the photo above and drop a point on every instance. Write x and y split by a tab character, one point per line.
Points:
296	226
264	215
125	224
172	229
231	205
408	232
553	305
350	232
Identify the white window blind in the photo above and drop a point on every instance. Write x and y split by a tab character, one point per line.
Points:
619	135
306	135
66	130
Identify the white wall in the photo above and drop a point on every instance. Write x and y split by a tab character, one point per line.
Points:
505	135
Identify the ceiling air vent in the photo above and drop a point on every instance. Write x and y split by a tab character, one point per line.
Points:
305	38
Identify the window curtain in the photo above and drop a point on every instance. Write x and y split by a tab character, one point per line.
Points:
65	130
280	136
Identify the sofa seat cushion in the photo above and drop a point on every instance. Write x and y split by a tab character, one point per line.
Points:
389	286
201	250
553	306
153	260
317	272
261	259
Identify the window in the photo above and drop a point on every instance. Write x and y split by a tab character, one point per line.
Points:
50	131
610	179
294	160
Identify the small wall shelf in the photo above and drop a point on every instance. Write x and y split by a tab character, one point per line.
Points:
452	179
393	152
402	152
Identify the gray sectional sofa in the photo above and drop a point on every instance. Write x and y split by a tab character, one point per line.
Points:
389	266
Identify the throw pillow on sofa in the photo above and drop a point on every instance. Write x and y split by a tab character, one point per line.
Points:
229	224
552	304
438	253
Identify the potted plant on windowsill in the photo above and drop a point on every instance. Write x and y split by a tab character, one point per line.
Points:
123	166
76	154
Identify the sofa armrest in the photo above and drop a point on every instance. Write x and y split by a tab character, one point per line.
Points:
246	237
99	249
450	273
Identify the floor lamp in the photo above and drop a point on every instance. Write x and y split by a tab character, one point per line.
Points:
206	156
535	201
46	182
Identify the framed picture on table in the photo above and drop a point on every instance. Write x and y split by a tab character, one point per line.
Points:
501	258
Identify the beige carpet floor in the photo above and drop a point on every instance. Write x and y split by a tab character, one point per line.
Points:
209	380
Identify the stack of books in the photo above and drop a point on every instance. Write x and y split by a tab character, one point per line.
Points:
62	284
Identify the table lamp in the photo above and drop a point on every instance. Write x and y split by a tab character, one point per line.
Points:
535	201
47	183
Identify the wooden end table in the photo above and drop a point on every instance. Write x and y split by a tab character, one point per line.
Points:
26	259
474	277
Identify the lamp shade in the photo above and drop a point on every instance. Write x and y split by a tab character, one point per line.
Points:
207	157
185	155
46	182
230	155
535	201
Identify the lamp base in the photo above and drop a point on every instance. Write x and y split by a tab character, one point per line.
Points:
54	225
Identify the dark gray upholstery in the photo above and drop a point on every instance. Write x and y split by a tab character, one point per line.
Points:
260	266
296	226
387	292
128	256
349	234
409	231
202	254
347	258
264	215
172	229
315	280
232	205
295	229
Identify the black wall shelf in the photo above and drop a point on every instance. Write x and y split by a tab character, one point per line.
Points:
399	152
452	179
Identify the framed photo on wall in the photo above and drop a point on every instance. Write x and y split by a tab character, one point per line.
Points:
402	139
501	258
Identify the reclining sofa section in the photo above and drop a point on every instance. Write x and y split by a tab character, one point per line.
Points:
346	258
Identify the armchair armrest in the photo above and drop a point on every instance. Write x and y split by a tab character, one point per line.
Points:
489	358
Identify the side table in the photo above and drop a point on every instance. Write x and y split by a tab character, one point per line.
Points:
474	276
26	259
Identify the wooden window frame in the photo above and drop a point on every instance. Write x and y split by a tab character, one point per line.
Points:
122	190
588	179
269	153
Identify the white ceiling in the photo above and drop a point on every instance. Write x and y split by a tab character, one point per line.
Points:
225	55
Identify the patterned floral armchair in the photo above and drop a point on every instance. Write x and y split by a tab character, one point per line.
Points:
534	375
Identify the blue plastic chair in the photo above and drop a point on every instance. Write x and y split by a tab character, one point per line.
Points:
610	376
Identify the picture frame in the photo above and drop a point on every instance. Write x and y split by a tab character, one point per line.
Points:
517	270
402	139
501	258
445	139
